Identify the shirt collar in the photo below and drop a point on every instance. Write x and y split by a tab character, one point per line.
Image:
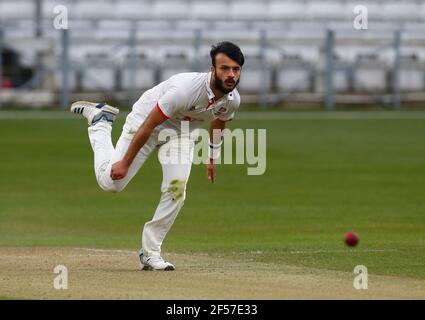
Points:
210	93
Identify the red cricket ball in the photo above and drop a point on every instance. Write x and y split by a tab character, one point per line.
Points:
351	239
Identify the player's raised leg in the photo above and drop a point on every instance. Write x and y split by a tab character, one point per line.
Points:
100	118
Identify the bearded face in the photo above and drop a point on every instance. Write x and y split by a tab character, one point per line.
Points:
226	73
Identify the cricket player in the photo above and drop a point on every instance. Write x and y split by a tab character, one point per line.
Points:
197	98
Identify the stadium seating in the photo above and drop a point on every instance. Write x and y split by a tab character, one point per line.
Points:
374	10
248	10
72	80
15	10
98	75
262	10
328	10
294	80
95	9
294	10
341	79
170	10
48	8
370	76
204	10
118	29
412	73
133	10
144	77
401	10
295	30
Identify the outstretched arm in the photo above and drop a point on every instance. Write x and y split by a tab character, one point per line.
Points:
216	128
119	169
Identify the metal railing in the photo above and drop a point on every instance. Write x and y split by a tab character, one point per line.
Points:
264	97
330	69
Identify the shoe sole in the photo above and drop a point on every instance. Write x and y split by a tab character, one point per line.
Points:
149	268
106	107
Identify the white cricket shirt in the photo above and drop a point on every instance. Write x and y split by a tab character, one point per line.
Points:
186	97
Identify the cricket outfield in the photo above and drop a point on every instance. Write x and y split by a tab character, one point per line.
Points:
274	236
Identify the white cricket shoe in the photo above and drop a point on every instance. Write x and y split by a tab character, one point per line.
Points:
155	263
95	112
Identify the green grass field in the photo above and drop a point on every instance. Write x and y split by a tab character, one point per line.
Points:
324	177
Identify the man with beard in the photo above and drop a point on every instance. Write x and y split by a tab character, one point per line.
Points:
194	98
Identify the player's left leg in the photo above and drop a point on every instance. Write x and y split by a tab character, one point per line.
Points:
100	117
173	194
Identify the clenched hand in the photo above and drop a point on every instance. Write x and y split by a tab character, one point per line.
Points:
119	170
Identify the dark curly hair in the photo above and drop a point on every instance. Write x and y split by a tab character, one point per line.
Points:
229	49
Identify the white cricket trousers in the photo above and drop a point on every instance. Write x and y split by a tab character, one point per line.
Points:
175	174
